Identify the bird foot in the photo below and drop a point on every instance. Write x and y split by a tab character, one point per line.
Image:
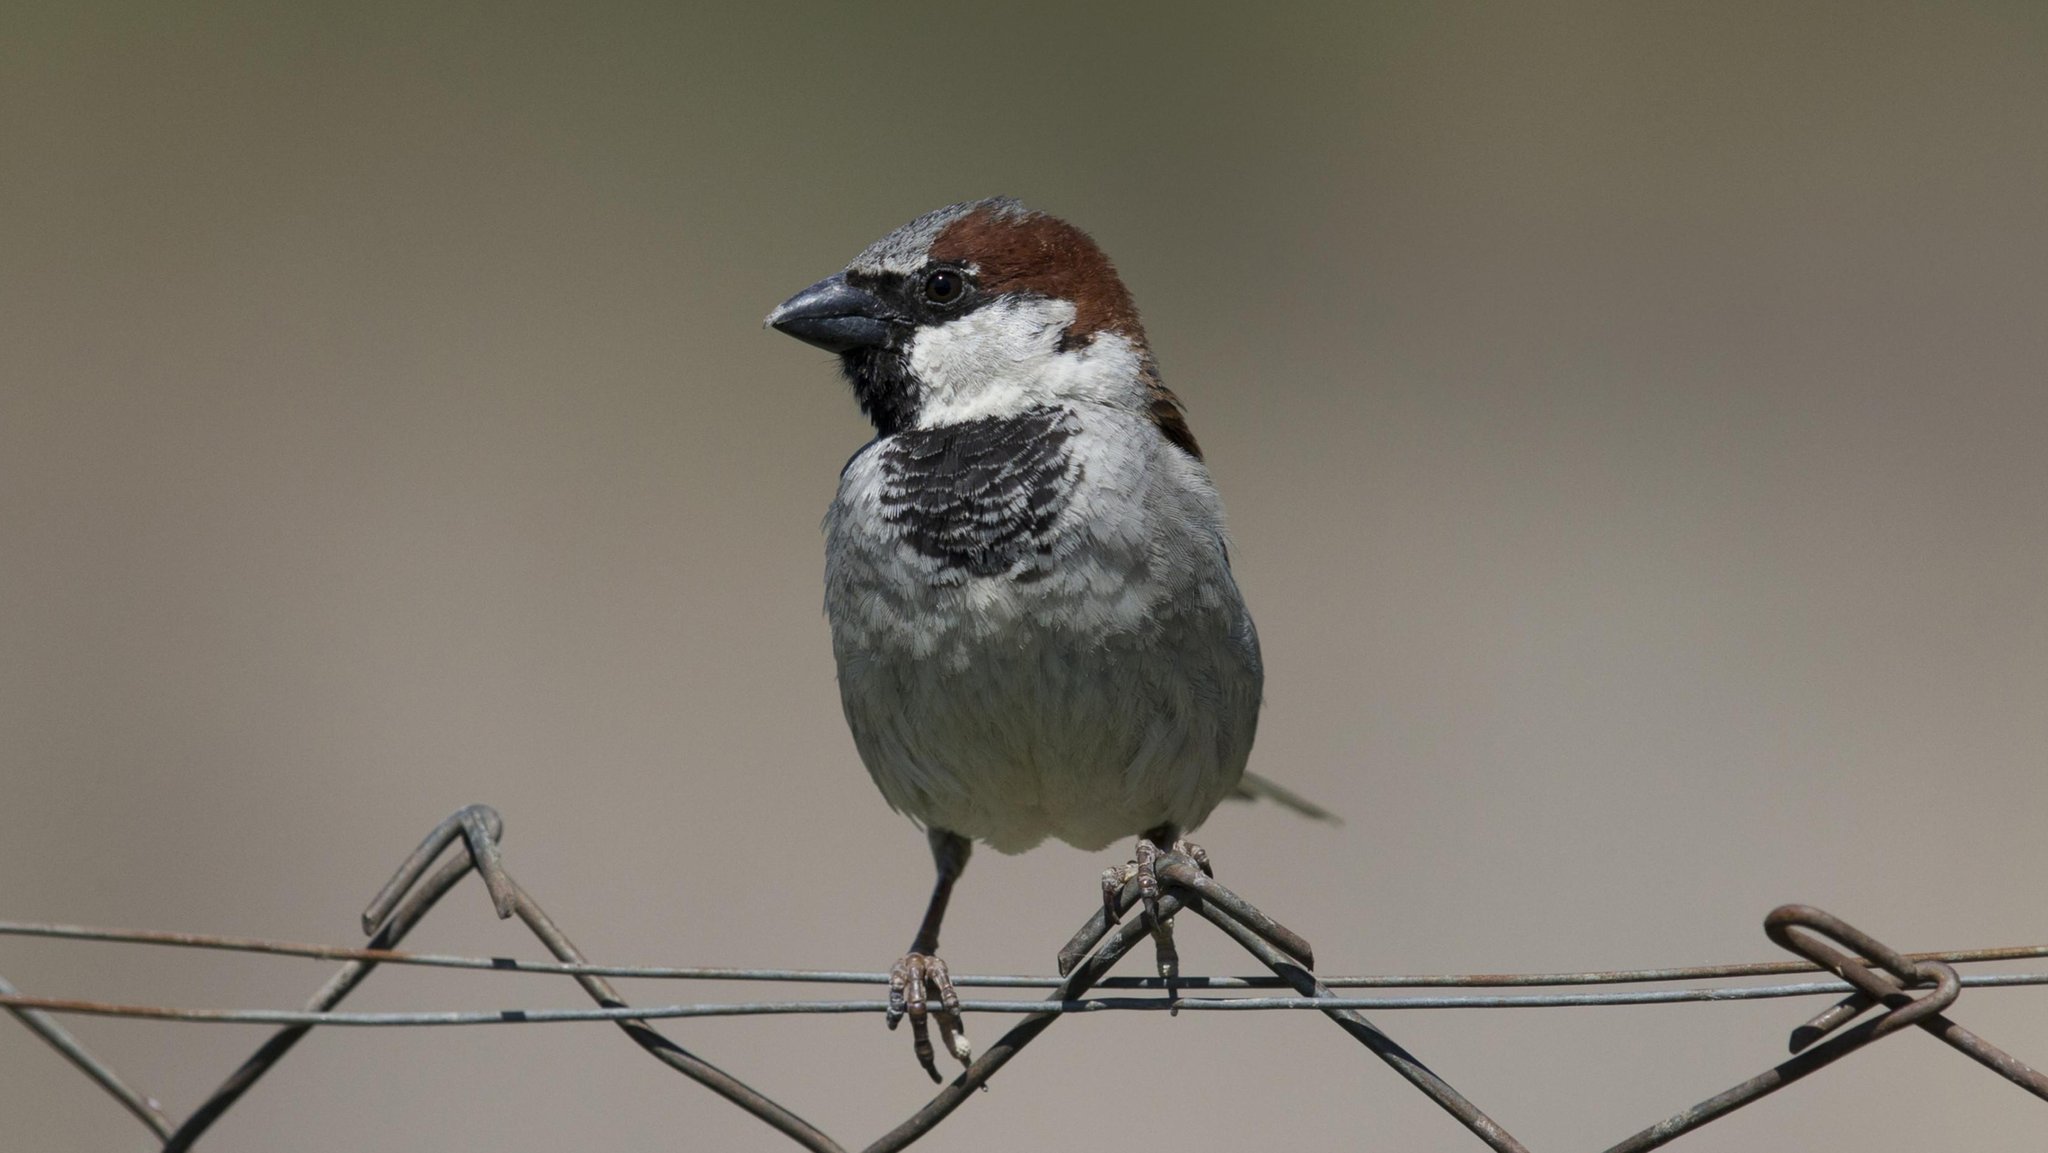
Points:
915	983
1185	867
1144	867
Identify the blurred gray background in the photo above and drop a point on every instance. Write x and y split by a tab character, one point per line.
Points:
1630	416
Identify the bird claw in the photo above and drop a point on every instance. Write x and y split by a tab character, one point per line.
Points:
1114	879
914	983
1144	868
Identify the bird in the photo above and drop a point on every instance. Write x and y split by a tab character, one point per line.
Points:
1027	579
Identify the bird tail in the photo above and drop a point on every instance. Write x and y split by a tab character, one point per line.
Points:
1257	788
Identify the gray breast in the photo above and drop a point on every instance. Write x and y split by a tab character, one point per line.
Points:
981	496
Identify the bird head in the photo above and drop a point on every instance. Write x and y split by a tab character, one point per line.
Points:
983	309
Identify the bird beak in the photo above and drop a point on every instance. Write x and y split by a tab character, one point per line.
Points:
835	316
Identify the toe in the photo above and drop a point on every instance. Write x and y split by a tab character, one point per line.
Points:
899	982
940	982
921	1045
913	989
955	1037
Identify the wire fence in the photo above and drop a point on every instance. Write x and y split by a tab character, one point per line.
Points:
1878	991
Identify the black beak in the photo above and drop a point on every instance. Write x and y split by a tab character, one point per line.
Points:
835	316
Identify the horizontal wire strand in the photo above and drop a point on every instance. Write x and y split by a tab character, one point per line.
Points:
841	976
1087	1005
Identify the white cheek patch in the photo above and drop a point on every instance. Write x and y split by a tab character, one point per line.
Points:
988	362
1005	358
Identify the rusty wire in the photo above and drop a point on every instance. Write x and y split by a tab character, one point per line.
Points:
1868	974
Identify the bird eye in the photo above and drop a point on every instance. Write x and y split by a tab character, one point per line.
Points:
944	286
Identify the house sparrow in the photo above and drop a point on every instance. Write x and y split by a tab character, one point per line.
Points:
1026	575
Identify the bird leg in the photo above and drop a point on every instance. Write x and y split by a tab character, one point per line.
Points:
920	977
1144	866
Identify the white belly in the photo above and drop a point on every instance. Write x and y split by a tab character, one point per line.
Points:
1001	726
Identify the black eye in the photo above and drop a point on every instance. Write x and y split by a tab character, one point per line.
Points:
944	286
